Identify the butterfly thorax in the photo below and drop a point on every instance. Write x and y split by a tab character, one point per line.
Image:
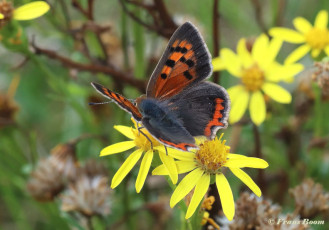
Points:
150	108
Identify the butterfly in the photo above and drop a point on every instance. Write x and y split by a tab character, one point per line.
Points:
179	105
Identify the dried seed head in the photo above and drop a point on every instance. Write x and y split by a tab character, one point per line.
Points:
310	199
8	109
321	76
92	168
6	9
64	157
45	181
252	212
89	194
52	174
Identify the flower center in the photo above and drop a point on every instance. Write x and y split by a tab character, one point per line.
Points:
212	155
6	9
317	38
142	142
253	78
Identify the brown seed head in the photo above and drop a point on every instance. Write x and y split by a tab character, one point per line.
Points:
90	194
8	109
310	199
53	173
6	9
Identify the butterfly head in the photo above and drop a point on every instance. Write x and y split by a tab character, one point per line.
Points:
139	100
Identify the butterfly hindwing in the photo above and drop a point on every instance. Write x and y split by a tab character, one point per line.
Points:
120	100
170	133
202	109
186	60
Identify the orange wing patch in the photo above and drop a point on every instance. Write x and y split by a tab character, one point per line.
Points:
182	146
178	71
119	100
216	116
123	102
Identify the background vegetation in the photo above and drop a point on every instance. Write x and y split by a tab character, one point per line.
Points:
118	43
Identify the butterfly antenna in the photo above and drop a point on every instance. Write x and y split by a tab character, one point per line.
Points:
99	103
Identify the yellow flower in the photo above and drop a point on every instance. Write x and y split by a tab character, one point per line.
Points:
258	73
313	38
211	159
143	146
26	12
206	219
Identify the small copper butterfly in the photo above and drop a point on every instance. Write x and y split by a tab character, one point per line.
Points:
179	105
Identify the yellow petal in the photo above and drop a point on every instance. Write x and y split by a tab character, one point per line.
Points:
245	178
185	166
199	192
161	170
234	91
169	163
182	167
143	170
125	130
257	107
249	162
244	54
321	20
277	72
315	53
117	148
239	105
297	54
185	186
302	25
273	50
326	50
287	35
226	196
31	10
277	93
181	155
231	62
126	167
260	50
218	64
1	16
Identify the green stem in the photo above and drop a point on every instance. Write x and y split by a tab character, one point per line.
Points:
318	111
183	207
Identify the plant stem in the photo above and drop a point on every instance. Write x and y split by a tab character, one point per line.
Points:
258	153
216	36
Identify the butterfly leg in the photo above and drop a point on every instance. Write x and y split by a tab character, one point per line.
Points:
139	131
166	150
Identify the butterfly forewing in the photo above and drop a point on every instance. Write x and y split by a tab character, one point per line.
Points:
185	61
120	100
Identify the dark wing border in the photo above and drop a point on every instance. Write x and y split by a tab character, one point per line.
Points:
120	100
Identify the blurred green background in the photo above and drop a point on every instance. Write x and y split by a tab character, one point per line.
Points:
52	104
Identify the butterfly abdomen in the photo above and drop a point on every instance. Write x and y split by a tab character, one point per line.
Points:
161	122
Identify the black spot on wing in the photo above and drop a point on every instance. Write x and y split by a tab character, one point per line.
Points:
190	63
187	75
170	63
184	50
163	76
178	49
